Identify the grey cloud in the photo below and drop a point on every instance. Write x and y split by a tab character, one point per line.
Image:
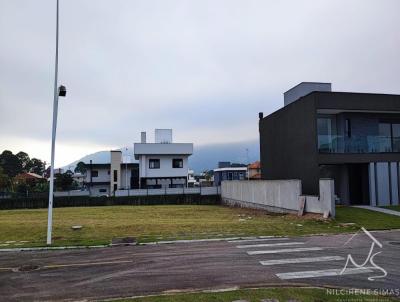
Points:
200	67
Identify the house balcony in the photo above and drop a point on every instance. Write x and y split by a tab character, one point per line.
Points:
358	144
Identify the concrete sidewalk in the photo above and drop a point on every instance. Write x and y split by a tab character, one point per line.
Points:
382	210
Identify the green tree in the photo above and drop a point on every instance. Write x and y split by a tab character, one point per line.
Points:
4	180
10	163
37	166
63	181
22	187
80	168
41	187
208	174
25	160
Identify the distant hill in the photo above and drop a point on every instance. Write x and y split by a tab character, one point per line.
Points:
204	157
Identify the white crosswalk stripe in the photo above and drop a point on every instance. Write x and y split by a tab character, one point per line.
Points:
322	273
301	260
268	245
293	250
274	248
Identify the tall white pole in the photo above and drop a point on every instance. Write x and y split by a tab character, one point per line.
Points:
53	139
248	163
126	170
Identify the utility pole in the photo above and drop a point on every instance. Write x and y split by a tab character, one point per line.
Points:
126	169
58	91
248	163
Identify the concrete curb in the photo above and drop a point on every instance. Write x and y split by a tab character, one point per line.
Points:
49	248
27	249
209	240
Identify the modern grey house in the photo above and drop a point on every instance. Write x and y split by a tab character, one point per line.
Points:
353	138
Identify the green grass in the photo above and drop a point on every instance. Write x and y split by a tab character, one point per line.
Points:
369	219
394	208
256	295
153	223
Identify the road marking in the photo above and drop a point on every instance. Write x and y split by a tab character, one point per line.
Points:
300	249
268	245
51	266
260	239
322	273
87	264
302	260
6	268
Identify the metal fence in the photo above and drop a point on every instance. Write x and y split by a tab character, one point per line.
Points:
120	193
169	191
7	195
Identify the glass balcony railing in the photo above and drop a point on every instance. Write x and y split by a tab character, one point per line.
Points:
358	144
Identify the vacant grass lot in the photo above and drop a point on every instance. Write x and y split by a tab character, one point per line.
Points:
20	228
257	295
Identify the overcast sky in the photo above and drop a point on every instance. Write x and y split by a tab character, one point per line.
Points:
203	68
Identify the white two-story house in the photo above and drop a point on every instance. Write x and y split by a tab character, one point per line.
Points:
162	164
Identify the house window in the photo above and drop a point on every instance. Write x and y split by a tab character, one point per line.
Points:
396	137
103	190
348	128
389	137
230	175
326	128
115	175
385	137
115	187
108	172
154	164
177	163
95	173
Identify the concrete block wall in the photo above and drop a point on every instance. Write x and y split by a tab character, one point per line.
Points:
282	196
325	202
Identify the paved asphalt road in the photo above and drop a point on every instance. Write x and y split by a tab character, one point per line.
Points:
138	270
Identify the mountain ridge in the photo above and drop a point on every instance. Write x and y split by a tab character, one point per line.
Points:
205	157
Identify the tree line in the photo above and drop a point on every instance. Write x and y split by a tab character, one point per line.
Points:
13	165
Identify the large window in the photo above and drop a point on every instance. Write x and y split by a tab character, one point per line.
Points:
389	137
396	137
177	163
115	175
154	163
347	129
326	127
95	173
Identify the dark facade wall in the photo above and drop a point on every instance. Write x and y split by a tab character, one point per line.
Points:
357	101
288	146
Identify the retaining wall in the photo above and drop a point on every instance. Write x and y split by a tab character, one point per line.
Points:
282	196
